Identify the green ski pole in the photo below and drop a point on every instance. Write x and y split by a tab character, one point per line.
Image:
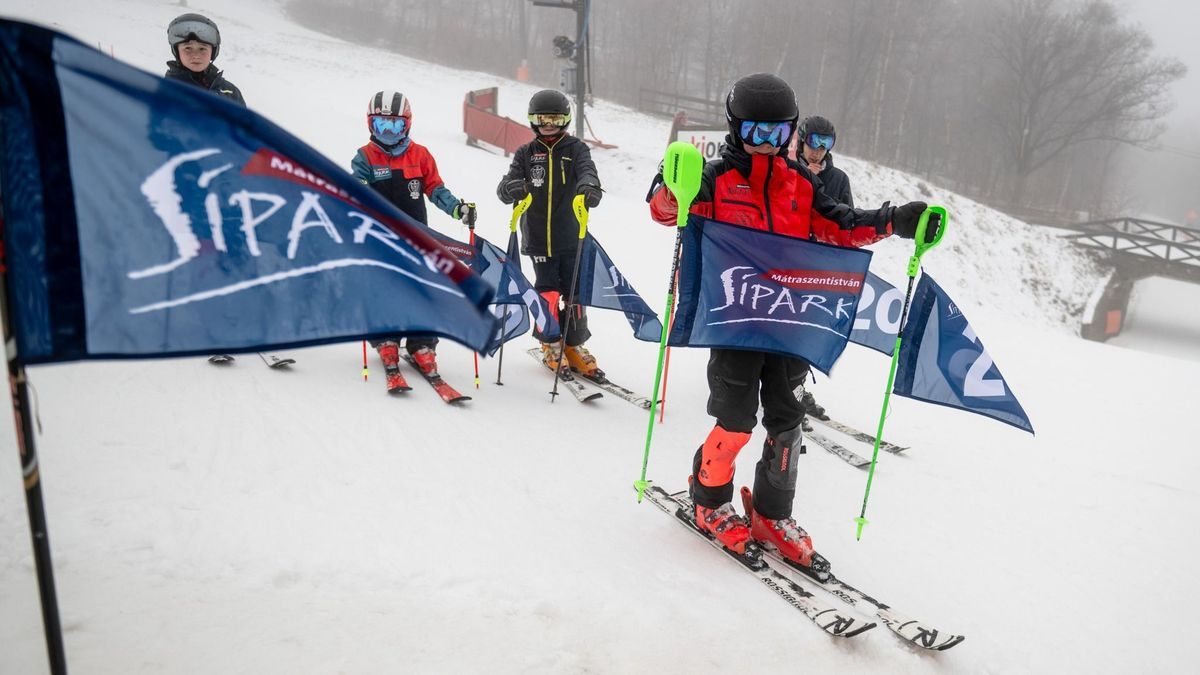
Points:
914	266
682	169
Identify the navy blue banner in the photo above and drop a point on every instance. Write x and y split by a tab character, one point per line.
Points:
878	319
602	285
750	289
942	361
146	217
516	301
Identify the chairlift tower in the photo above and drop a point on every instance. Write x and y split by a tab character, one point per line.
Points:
571	55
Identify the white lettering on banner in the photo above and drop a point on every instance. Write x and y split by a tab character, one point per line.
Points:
161	192
159	189
619	283
974	384
250	221
892	297
285	166
740	290
309	202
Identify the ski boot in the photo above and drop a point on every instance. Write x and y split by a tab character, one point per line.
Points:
426	361
582	362
725	525
787	539
813	408
389	353
550	356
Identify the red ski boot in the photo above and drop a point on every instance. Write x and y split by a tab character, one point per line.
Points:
389	353
786	538
426	361
725	525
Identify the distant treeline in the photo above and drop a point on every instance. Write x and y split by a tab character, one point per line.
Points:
1023	104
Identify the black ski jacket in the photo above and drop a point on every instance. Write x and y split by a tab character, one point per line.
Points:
835	182
554	174
211	79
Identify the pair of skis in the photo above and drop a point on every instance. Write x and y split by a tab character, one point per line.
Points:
845	454
572	381
271	360
794	584
396	383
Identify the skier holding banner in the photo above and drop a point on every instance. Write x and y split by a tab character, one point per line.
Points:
753	185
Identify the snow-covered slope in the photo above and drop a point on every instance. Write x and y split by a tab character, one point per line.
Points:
236	520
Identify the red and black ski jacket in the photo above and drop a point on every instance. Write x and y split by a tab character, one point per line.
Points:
769	192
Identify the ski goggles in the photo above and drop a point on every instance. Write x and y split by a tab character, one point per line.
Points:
386	124
193	30
387	128
551	120
775	133
816	141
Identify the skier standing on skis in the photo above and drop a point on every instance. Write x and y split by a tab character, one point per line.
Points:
195	42
753	185
816	139
554	167
405	173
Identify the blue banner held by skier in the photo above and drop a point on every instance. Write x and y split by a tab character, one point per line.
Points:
942	361
602	285
146	217
743	288
878	319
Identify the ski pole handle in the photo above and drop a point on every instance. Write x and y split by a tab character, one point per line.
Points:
519	210
942	220
683	169
581	214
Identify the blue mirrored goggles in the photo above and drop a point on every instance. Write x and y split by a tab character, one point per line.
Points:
388	128
775	133
816	141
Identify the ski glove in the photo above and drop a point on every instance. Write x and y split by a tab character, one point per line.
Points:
464	211
656	184
591	195
905	218
516	189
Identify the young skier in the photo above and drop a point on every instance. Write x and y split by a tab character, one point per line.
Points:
554	167
195	42
404	172
817	137
753	185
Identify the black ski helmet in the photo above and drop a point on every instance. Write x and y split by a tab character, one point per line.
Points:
816	125
193	27
761	97
549	102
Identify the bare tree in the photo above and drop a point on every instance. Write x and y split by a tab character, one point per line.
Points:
1069	75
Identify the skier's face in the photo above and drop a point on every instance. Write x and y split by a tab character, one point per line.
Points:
195	55
814	156
761	149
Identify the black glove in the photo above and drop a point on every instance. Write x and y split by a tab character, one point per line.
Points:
591	195
465	211
516	189
905	218
656	184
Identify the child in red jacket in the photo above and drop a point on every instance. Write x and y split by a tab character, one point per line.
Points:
754	185
404	172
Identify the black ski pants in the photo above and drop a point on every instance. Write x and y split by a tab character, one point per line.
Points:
737	379
552	279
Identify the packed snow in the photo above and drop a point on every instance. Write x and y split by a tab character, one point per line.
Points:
248	520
